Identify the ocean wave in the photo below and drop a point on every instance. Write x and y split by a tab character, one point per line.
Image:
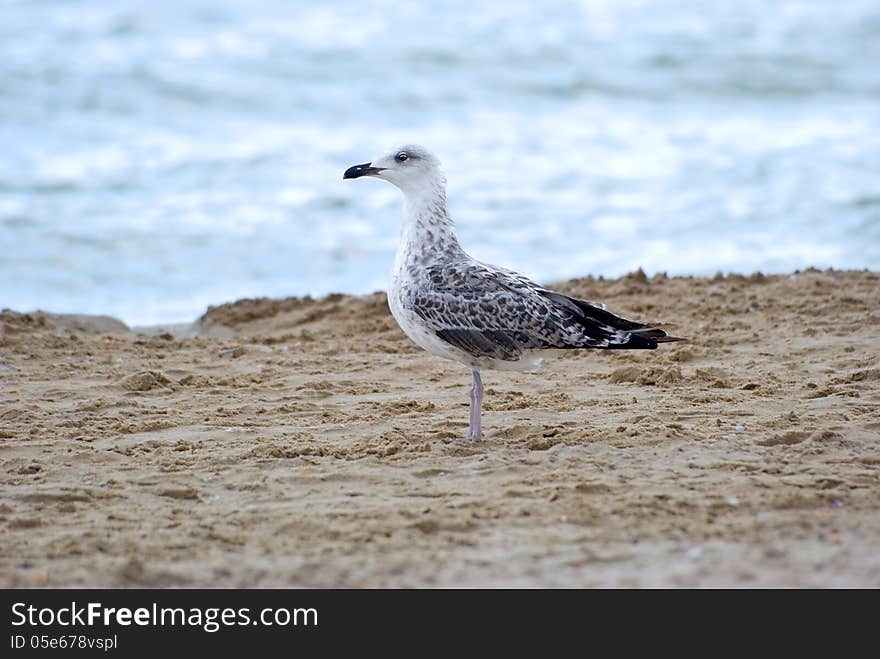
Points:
159	157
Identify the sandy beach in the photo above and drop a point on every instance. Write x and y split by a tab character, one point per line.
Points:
300	442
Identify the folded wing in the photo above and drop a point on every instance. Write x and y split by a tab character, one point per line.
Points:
495	313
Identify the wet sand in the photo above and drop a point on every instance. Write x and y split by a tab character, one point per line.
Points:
303	442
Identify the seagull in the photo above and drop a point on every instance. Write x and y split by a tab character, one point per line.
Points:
479	315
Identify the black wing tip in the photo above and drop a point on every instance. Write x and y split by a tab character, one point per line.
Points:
643	336
649	332
654	333
646	339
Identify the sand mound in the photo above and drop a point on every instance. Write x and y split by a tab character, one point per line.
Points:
307	442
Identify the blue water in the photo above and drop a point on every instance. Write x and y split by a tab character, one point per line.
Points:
157	157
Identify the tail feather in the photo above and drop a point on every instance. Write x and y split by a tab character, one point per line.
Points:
663	326
670	339
640	335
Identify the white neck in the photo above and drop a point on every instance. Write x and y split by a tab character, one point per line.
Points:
428	232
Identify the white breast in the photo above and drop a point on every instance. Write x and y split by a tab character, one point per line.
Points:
416	329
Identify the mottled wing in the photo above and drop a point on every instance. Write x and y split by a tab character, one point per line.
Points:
490	312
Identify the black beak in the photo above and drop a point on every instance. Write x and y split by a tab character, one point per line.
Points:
361	170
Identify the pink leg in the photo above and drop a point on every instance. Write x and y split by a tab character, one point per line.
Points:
475	433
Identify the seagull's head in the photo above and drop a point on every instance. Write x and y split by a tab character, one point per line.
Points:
411	167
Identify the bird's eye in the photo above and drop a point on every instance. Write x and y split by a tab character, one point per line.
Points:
401	157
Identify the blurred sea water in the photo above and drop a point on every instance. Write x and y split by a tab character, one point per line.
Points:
157	157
